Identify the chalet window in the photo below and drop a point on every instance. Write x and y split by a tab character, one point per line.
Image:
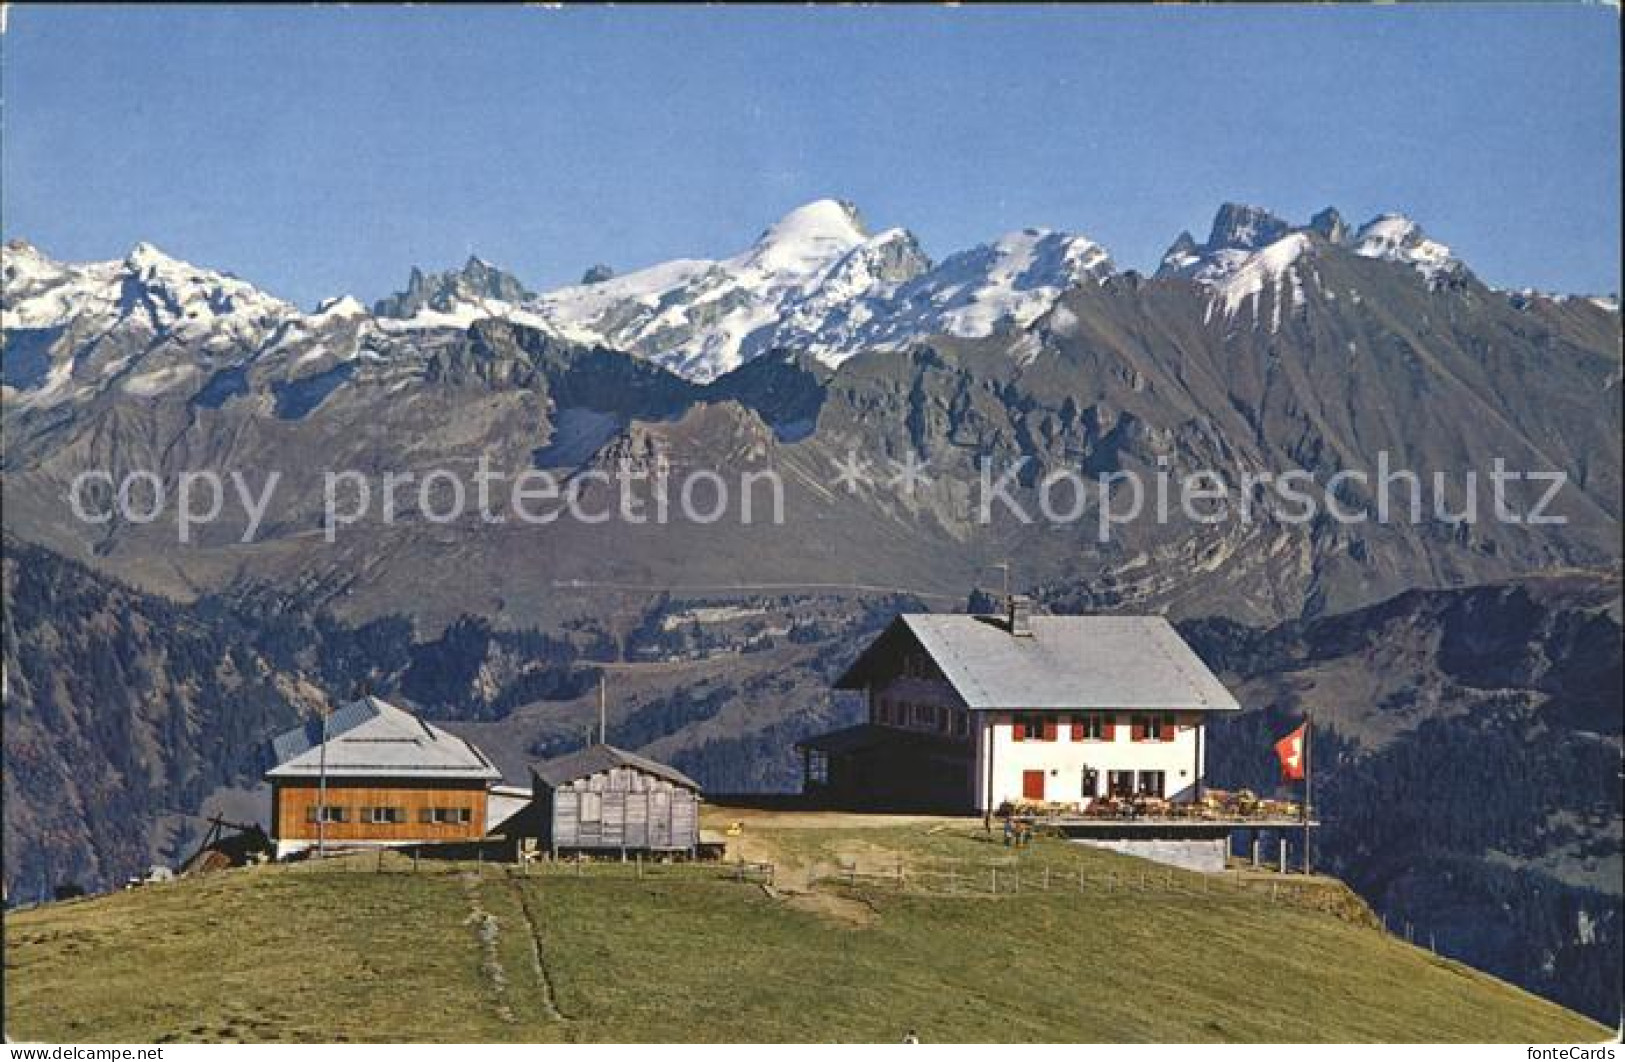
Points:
923	715
1090	727
443	816
1152	783
1120	783
329	813
383	815
592	807
1154	727
1033	728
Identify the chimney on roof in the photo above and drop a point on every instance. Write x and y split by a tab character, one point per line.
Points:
1019	618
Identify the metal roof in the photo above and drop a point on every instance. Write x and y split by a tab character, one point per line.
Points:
591	760
372	738
1076	662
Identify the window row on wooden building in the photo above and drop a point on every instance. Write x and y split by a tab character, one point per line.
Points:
954	722
387	815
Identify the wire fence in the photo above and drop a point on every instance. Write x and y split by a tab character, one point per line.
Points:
1012	878
964	879
635	866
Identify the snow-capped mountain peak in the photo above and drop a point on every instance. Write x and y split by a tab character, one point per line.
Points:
1251	250
808	238
1396	238
147	289
1241	227
453	294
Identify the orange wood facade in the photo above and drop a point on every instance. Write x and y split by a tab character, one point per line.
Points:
292	803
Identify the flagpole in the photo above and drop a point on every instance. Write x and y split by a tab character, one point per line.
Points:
321	795
1308	786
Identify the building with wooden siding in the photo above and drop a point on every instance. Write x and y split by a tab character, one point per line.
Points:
972	713
604	799
376	775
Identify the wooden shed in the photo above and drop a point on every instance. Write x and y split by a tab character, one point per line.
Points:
606	799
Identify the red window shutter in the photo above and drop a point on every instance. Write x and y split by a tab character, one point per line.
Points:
1077	729
1138	725
1015	730
1108	730
1049	730
1167	728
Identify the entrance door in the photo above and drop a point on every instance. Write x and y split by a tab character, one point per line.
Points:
1032	785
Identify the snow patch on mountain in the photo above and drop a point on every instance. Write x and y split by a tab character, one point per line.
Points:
1251	251
1273	269
1396	238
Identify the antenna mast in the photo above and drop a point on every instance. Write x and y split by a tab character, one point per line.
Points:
1004	566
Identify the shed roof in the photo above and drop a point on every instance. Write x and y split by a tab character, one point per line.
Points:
1066	662
370	737
564	769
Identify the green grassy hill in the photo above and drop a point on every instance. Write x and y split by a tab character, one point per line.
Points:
1077	946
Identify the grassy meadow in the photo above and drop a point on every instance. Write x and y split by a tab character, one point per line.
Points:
1111	950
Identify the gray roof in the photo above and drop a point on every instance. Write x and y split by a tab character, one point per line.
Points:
591	760
373	738
1067	662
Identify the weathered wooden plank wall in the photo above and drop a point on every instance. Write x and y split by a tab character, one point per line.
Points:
624	808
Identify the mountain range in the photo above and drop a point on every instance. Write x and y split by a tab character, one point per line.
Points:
816	281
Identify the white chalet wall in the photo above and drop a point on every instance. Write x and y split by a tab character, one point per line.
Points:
1063	760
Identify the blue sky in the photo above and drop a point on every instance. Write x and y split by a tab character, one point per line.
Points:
320	151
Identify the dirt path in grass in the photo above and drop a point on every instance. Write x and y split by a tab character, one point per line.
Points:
779	837
544	979
486	928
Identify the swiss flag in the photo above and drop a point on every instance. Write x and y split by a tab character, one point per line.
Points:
1290	749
